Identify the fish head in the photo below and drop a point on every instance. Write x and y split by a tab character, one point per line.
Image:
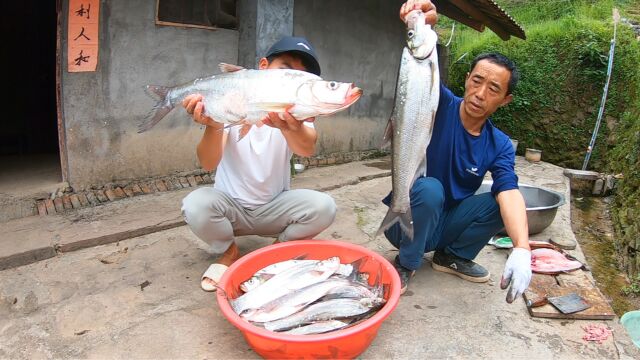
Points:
421	39
320	97
372	302
250	284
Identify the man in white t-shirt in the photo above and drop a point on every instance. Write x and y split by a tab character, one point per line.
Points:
251	194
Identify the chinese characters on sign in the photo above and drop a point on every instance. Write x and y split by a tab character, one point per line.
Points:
82	36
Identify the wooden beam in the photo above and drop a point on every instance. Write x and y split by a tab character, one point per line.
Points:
449	10
480	16
62	133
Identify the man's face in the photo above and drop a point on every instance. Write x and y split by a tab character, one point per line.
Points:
282	61
485	90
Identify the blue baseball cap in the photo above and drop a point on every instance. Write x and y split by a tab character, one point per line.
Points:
301	47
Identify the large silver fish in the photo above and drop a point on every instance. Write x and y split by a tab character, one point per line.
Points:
296	277
263	275
412	119
326	310
297	300
240	96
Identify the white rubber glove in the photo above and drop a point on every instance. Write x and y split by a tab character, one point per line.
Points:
517	272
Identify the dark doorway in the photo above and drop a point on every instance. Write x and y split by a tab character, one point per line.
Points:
29	151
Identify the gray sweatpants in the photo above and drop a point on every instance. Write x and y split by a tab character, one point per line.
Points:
216	218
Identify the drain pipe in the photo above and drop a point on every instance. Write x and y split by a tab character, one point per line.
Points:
616	18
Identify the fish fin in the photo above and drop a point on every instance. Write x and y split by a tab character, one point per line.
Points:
228	68
268	276
229	126
356	264
244	130
392	217
388	135
435	73
377	283
421	170
386	291
159	110
273	106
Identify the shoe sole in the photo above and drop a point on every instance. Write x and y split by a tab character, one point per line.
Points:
460	275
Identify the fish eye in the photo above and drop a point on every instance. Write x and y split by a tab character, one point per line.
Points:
410	34
333	85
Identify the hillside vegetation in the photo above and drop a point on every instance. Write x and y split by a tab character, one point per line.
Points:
563	65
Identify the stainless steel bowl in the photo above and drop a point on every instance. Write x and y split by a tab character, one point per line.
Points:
542	204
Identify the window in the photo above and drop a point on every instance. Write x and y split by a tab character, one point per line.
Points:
208	14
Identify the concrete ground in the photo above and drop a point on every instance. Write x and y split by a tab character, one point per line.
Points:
139	297
37	173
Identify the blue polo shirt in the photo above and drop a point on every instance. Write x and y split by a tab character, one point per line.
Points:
460	160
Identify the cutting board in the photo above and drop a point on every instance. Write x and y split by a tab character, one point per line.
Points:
558	285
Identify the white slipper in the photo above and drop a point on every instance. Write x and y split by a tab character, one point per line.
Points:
213	273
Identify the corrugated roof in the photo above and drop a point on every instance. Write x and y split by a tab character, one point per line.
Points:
479	14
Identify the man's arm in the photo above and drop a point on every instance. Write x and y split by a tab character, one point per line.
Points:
211	145
514	216
301	139
517	270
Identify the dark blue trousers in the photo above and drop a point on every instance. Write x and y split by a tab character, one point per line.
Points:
462	230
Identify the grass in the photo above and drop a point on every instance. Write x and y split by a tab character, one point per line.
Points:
359	211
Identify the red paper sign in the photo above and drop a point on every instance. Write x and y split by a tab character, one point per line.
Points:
82	35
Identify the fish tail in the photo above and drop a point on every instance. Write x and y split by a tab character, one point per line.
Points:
356	264
392	217
377	283
162	107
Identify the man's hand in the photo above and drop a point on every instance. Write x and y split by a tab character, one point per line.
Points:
431	17
286	124
195	107
300	138
517	272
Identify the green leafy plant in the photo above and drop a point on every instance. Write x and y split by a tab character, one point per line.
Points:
632	289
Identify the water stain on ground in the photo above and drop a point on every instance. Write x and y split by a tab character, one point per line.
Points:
591	223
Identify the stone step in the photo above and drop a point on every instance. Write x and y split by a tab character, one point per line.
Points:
66	199
35	238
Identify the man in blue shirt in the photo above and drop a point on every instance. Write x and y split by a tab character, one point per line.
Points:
448	217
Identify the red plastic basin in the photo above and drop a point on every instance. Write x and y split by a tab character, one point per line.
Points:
346	343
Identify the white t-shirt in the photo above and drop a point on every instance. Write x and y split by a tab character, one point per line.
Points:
257	168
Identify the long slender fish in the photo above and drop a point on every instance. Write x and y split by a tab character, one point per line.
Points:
294	278
326	310
297	300
262	275
412	119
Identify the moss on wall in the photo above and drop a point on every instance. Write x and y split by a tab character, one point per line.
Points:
625	159
563	70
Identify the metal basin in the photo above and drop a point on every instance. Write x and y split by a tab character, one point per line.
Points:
542	204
